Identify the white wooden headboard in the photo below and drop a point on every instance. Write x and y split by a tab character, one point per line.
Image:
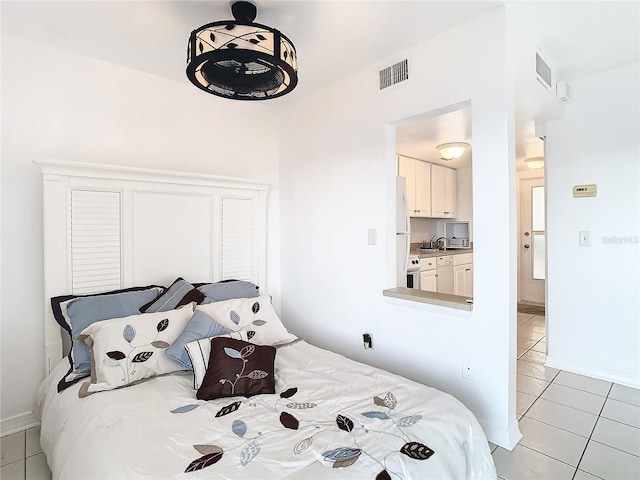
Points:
109	227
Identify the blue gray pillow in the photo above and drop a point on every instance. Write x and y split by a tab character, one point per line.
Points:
200	326
218	292
75	313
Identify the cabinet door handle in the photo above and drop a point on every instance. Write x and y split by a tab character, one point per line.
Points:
467	269
526	246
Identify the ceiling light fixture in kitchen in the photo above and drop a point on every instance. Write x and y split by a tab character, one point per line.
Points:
452	150
535	162
242	60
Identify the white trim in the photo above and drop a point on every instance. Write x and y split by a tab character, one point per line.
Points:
580	368
505	438
18	423
103	171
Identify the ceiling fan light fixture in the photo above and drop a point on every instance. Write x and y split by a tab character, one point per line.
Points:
452	150
242	60
535	162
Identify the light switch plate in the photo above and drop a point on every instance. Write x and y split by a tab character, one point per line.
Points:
585	238
373	236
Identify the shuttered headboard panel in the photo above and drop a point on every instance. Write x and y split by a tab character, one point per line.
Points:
108	227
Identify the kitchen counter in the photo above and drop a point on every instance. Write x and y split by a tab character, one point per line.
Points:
441	299
440	253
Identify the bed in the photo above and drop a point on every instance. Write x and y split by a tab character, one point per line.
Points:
203	380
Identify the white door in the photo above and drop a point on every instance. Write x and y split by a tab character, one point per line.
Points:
428	281
532	268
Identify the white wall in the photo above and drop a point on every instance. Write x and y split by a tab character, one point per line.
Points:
68	107
593	292
337	180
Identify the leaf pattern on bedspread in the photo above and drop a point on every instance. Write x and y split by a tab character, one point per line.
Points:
342	456
239	428
232	407
185	409
288	393
416	450
289	421
344	423
204	462
339	457
249	452
383	475
378	415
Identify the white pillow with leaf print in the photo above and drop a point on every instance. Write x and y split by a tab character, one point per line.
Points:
126	350
255	316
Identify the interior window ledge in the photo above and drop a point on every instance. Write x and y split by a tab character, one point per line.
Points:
433	298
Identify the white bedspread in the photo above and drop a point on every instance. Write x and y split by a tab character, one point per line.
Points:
345	420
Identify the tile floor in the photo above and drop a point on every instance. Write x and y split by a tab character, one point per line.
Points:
21	457
574	427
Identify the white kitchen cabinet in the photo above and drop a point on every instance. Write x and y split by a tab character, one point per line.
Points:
463	275
418	175
428	281
444	192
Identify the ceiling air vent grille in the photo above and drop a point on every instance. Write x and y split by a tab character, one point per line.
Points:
394	74
543	71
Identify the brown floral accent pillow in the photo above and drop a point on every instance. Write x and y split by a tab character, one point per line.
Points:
238	368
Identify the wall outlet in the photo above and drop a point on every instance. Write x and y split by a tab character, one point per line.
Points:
466	368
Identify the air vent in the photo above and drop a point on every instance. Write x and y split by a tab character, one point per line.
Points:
543	71
394	74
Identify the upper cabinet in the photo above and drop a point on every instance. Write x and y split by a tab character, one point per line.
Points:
444	192
432	190
418	175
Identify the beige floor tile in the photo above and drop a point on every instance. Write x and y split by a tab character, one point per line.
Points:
571	397
525	343
552	441
540	346
13	471
521	352
523	463
523	402
622	412
535	357
610	463
567	418
11	448
617	435
580	475
528	333
37	468
33	441
530	385
536	370
625	394
582	382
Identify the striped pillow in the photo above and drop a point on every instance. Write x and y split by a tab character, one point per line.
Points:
179	293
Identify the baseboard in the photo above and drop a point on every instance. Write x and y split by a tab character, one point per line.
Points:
614	376
18	424
504	438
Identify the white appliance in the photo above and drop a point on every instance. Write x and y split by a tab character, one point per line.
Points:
403	231
413	272
457	235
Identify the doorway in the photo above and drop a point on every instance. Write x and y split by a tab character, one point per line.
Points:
532	246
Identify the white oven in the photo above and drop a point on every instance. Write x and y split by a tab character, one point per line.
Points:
413	272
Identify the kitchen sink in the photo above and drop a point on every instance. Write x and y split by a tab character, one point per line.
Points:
428	250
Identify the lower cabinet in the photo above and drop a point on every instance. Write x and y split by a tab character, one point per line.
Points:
428	277
428	281
463	278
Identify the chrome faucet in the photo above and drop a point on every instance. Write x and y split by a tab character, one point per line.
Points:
432	241
444	247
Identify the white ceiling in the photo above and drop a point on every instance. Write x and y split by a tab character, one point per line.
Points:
333	38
